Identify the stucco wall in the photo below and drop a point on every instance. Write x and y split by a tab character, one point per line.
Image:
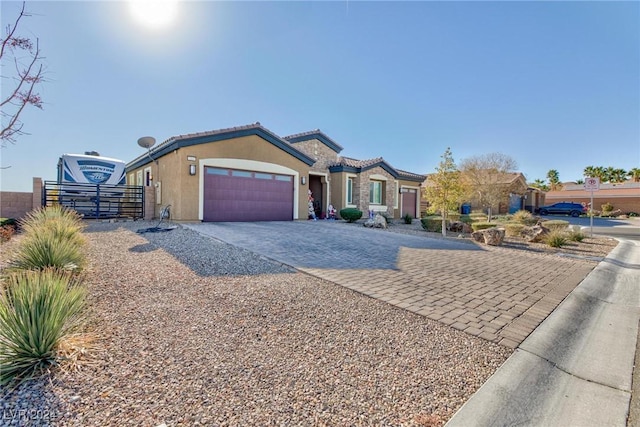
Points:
182	190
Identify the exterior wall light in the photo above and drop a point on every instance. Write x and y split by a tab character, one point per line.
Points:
192	170
303	180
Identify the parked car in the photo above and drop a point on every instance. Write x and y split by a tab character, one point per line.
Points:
564	208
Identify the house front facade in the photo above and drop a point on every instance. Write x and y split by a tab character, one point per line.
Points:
249	173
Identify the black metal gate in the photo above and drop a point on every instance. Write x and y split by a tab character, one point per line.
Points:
96	200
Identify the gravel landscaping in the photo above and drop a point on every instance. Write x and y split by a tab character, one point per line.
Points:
193	331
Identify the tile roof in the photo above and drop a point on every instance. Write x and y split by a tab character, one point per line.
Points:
193	138
314	134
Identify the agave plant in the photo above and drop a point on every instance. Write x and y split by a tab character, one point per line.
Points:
38	309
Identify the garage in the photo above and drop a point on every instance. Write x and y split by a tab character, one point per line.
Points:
243	195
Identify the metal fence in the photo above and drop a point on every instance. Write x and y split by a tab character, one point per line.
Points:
96	200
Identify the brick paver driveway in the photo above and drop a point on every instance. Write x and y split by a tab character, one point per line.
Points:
495	293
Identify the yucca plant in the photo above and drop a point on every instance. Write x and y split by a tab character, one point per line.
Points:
46	249
38	309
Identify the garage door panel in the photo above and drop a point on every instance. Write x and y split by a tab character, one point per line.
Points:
247	198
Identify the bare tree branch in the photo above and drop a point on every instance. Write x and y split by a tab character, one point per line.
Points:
26	77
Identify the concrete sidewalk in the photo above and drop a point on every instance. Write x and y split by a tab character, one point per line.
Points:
576	368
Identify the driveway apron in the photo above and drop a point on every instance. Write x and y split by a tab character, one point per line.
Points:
495	293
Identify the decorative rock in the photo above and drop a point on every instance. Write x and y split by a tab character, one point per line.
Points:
535	233
490	236
460	227
377	222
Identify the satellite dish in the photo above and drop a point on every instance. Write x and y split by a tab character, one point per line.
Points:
146	142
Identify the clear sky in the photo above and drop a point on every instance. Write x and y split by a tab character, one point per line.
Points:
554	85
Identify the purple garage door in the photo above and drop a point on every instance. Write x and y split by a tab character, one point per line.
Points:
238	195
409	197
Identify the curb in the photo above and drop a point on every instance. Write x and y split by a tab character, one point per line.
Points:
576	368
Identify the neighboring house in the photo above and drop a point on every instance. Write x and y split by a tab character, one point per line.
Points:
249	173
517	195
624	196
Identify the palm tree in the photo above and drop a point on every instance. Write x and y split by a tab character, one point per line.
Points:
553	176
634	174
589	172
617	175
539	183
579	181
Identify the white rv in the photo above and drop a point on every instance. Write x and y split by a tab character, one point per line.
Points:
86	169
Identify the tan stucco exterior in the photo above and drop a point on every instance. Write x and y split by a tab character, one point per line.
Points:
310	158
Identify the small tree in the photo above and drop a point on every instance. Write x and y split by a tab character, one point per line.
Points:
28	74
444	189
539	183
634	174
487	179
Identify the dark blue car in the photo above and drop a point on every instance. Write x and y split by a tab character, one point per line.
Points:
563	208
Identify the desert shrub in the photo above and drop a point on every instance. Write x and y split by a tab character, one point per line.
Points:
576	235
432	223
408	219
47	249
63	223
556	238
38	310
523	217
513	229
556	224
482	225
6	232
632	214
350	214
606	207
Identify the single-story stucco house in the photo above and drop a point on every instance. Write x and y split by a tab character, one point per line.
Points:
248	173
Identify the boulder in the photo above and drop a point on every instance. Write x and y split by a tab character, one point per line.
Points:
460	227
535	233
490	236
376	222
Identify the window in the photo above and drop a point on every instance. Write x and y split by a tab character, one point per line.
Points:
375	192
349	191
139	178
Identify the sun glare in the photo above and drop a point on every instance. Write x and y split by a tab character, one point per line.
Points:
154	14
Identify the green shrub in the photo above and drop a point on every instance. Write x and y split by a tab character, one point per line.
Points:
8	222
432	223
513	229
38	310
350	214
556	224
523	217
46	249
632	214
466	219
482	225
556	238
453	216
478	217
408	219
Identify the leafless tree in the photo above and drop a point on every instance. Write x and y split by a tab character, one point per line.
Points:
488	177
19	91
